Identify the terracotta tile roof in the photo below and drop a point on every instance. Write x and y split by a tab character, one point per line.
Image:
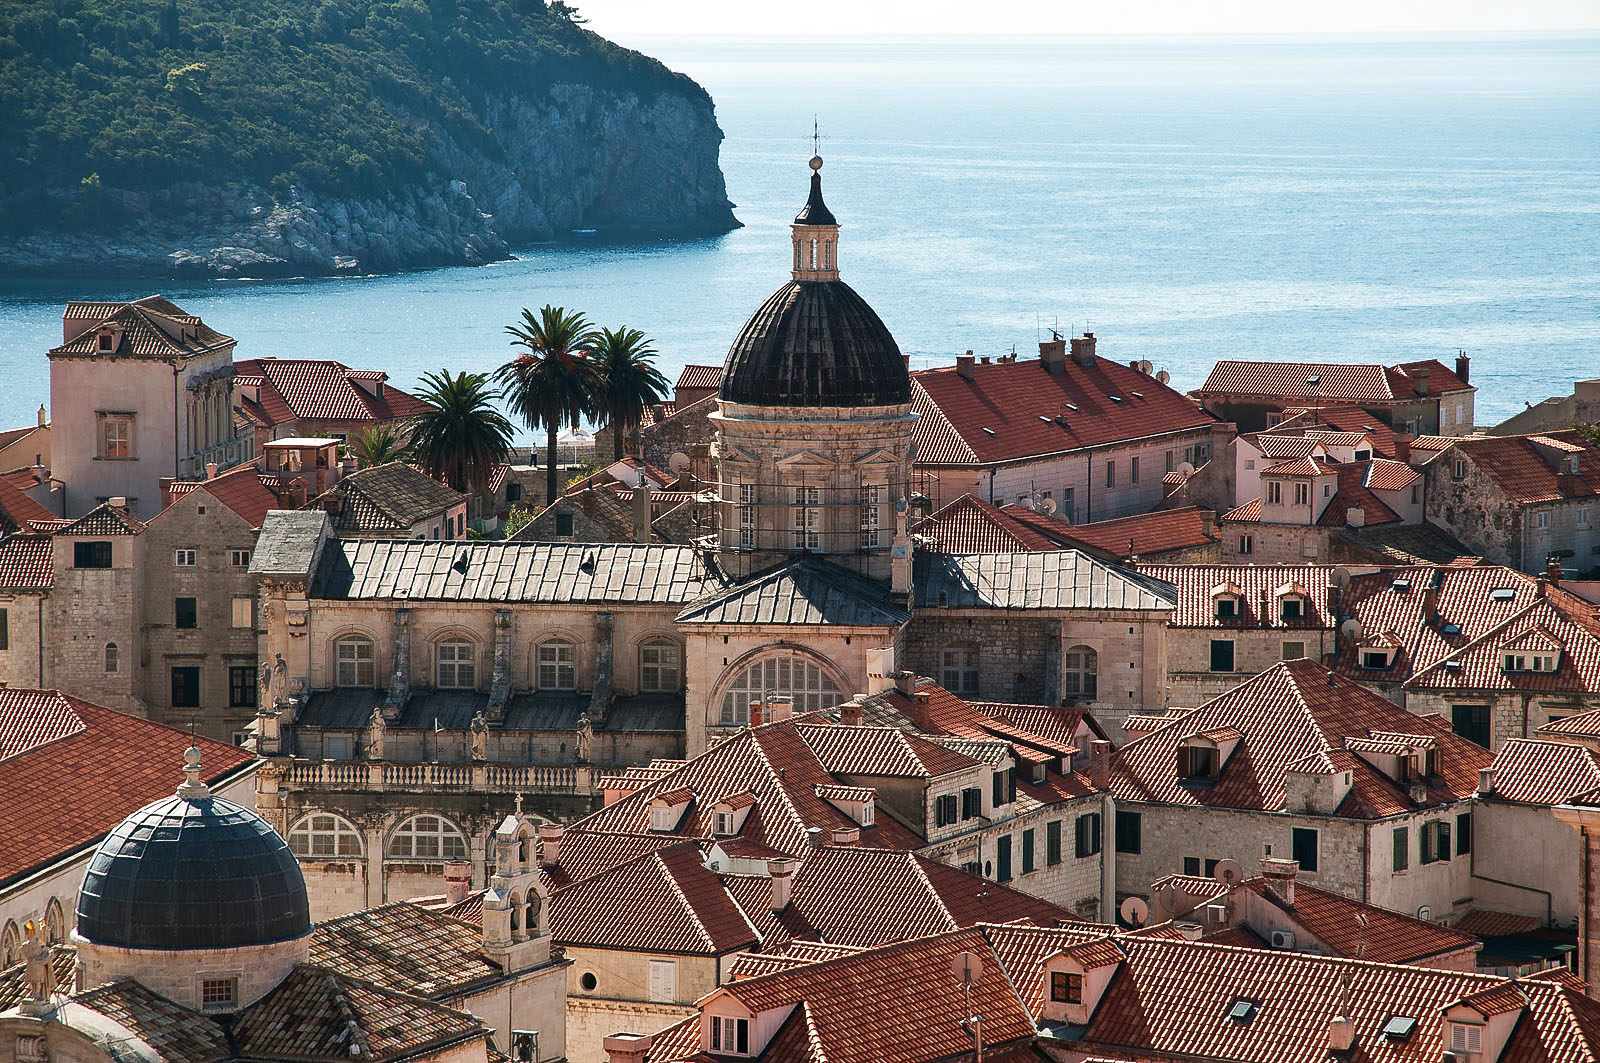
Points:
1544	773
1291	712
1010	398
700	376
151	327
385	498
306	389
664	901
1383	474
1285	446
1386	937
1250	512
1339	382
1300	467
1582	725
782	957
18	510
407	948
970	525
1525	474
1341	418
1354	494
104	519
861	751
1256	586
27	563
1022	950
1484	923
124	761
14	979
178	1034
1150	533
1479	665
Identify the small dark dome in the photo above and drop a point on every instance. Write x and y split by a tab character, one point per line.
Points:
815	212
815	343
193	873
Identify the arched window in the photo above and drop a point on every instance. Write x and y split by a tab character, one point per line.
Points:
797	677
55	922
659	668
958	668
531	913
428	838
323	834
1080	674
353	663
113	658
557	665
456	669
516	915
10	945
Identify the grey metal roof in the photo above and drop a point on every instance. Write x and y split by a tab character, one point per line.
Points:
1064	579
288	543
807	591
454	571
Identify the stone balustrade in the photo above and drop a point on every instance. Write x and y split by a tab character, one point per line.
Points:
413	777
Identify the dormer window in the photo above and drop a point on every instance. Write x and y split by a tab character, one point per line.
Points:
1066	987
1526	662
1227	608
1197	762
106	342
724	825
1376	659
730	1036
1292	608
1466	1038
661	818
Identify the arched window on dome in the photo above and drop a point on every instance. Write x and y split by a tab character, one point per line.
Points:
10	944
428	837
113	658
1080	674
55	922
798	677
324	835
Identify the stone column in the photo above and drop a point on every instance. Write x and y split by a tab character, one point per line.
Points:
500	681
372	827
600	699
1052	672
400	681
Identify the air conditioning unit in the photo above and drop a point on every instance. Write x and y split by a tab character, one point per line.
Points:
1283	939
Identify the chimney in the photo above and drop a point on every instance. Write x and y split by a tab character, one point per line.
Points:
1355	517
1083	349
1430	604
780	872
1464	368
1280	874
550	835
1189	931
118	502
779	708
42	419
641	512
755	713
964	364
1402	447
211	470
1208	523
457	879
1485	782
919	709
627	1047
813	837
1053	354
1341	1036
1552	570
1419	380
845	835
905	681
1100	763
850	713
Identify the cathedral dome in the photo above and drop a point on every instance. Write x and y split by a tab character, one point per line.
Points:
193	872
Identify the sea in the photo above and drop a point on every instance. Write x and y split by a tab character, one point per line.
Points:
1356	200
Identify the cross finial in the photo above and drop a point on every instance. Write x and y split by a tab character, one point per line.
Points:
519	805
816	137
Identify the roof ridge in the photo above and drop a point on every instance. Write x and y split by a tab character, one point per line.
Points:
687	904
777	779
1475	643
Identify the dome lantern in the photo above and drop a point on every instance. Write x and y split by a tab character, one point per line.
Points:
815	233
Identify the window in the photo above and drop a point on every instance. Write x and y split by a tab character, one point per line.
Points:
1471	721
807	502
1402	848
1274	492
1246	544
186	688
663	980
747	516
871	514
1583	516
1111	474
1435	841
1052	843
1080	673
1005	787
1133	470
1066	987
730	1035
1459	470
724	824
353	663
113	660
428	838
1302	494
1169	467
1375	659
1086	834
1303	847
658	667
958	669
456	665
1416	494
321	834
798	677
1222	655
1464	834
563	524
944	810
1541	519
241	687
1197	762
1227	607
5	630
116	436
106	342
1249	463
1466	1039
1363	455
243	612
218	992
1027	851
971	802
1066	504
184	559
557	665
239	558
1291	608
1130	832
91	555
1293	651
185	613
1002	858
1191	865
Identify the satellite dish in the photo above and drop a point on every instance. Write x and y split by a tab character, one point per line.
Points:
1185	469
1025	503
1134	911
678	463
1048	505
966	967
1351	629
1228	872
1341	577
1145	366
1163	376
1173	900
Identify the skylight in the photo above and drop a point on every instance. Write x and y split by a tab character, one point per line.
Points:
1045	419
1242	1010
1400	586
1071	406
1137	394
1451	629
1502	594
988	431
1399	1027
1114	398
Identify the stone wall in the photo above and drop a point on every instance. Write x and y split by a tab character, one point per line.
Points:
1273	544
619	1001
1512	714
89	608
1525	860
1475	511
1255	650
22	663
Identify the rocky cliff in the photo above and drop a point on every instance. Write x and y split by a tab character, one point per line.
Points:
449	154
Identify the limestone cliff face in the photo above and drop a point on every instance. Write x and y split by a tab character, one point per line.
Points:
576	157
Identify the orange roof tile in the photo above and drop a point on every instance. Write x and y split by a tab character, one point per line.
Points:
1256	587
970	525
1149	533
1526	475
27	563
1288	381
308	389
1383	937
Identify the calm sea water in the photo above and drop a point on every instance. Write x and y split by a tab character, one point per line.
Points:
1368	201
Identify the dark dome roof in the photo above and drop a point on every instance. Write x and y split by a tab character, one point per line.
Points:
815	343
815	212
193	873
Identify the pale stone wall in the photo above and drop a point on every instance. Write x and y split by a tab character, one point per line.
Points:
1254	651
1512	714
1074	883
534	999
22	663
1525	846
177	974
591	1021
88	608
1273	544
620	1002
1438	885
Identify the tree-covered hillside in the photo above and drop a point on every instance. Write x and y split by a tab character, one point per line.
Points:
102	97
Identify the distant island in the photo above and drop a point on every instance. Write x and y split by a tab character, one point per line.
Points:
293	137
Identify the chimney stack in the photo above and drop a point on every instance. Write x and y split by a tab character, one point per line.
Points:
550	835
457	879
118	502
211	470
1464	368
1341	1036
1485	782
42	419
756	708
780	872
919	710
1208	523
1419	380
1100	763
1053	354
1430	604
850	713
1280	875
779	708
845	835
1402	447
627	1047
1083	349
964	364
641	512
1552	570
905	681
1189	931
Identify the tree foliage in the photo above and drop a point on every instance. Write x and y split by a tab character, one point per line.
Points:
551	384
626	381
463	437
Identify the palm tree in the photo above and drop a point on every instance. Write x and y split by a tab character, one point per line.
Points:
462	437
379	444
551	384
626	381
